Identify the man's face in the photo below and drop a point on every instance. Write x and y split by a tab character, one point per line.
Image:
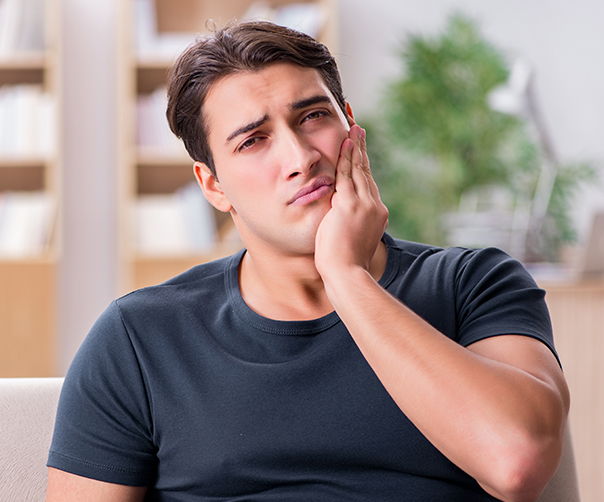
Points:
275	136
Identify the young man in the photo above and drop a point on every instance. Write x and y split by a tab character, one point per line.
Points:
326	361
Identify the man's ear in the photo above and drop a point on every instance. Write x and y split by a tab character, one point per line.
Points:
349	114
211	187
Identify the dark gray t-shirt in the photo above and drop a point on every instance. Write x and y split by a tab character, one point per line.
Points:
183	388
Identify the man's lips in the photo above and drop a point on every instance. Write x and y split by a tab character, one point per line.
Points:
316	190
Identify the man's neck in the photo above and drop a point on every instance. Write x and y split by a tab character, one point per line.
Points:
288	287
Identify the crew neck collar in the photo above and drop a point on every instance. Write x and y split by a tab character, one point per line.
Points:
300	328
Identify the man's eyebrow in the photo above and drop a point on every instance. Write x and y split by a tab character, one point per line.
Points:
314	100
247	128
298	105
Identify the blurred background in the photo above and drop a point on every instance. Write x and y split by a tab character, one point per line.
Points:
485	123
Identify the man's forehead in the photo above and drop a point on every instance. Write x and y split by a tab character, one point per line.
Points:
246	96
263	77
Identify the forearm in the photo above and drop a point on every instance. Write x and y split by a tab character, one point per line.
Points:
494	420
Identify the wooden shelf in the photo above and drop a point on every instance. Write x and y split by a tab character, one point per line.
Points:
30	59
13	76
22	177
149	78
23	68
23	60
152	156
27	315
152	63
162	178
23	161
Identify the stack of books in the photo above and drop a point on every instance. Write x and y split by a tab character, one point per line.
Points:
181	223
153	131
26	121
21	26
26	221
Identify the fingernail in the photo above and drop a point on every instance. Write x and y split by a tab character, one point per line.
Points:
363	134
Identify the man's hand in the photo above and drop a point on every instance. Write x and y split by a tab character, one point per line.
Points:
351	231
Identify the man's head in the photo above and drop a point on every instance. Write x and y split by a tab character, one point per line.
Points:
244	47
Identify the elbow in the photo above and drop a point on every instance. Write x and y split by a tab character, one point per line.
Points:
523	474
531	457
524	484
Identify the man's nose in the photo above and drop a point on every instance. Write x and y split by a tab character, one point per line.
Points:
297	155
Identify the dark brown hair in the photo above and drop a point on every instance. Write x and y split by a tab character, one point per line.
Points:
247	46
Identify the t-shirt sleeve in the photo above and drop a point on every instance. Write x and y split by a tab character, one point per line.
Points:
496	295
103	428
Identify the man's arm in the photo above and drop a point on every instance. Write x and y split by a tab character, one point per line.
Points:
66	487
497	409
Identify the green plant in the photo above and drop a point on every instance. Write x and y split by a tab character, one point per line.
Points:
438	137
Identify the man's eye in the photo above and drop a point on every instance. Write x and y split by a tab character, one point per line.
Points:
249	143
315	115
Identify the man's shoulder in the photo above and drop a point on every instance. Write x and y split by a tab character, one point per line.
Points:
453	262
409	247
417	249
203	280
421	252
204	273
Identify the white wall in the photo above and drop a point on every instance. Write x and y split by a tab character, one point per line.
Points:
563	41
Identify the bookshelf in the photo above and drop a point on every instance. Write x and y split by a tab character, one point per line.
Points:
29	185
155	170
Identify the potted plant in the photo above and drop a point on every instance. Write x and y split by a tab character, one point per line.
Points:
446	159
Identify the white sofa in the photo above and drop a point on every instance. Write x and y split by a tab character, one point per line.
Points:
27	414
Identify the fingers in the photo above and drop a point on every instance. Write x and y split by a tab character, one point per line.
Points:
366	166
364	184
360	162
361	172
344	183
353	174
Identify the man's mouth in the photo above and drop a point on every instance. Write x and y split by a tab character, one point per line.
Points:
320	187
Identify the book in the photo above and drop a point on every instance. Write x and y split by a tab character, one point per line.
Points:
27	121
153	131
26	221
21	26
198	216
174	224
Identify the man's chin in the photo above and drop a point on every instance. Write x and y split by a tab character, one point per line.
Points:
288	244
299	243
295	239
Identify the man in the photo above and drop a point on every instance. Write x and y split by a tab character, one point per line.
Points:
326	361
